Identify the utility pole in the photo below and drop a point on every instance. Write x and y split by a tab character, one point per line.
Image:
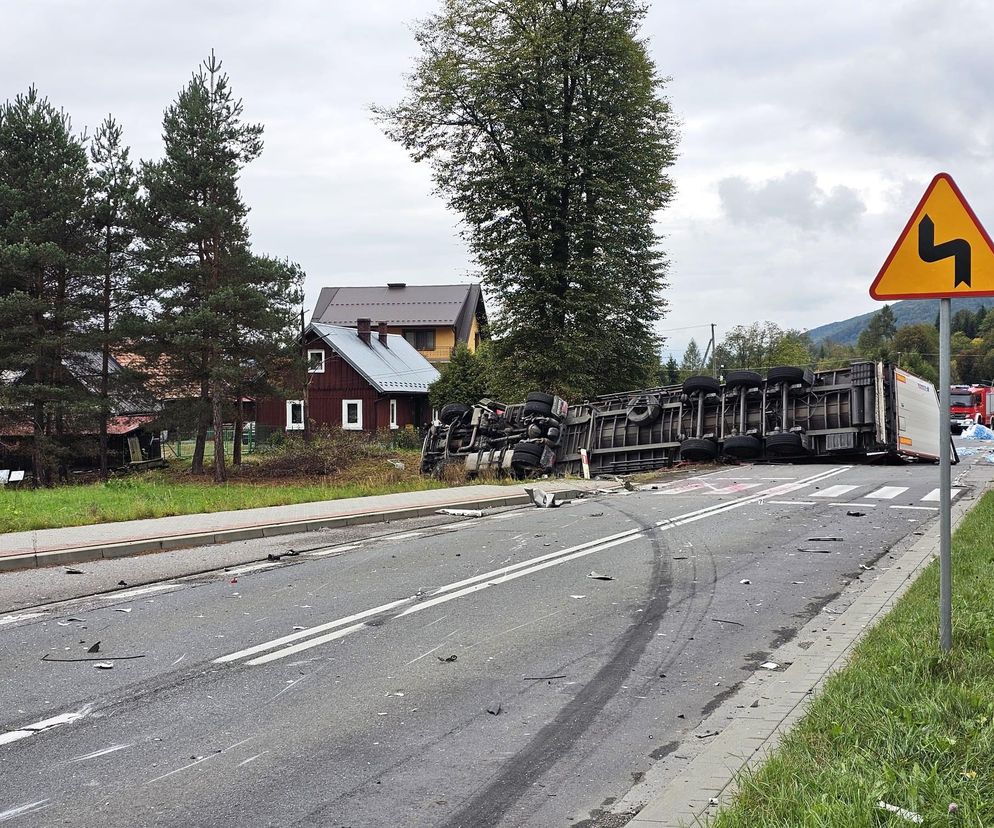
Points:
714	362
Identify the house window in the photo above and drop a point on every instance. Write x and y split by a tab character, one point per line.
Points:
352	415
315	362
423	340
393	414
294	415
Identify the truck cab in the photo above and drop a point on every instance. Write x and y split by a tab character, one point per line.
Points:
969	404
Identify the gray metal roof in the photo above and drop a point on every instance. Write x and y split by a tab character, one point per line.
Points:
450	305
396	368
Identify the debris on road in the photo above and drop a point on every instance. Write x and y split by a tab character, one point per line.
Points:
272	557
745	581
818	551
233	581
596	514
104	665
726	621
578	596
46	657
770	665
855	514
74	572
597	576
95	648
542	678
122	609
903	813
447	659
824	540
460	512
494	709
397	464
122	583
543	500
298	627
707	735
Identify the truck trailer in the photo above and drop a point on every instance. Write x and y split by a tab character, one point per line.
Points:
866	410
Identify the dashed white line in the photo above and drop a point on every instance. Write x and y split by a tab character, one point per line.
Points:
13	619
320	553
241	570
44	724
134	593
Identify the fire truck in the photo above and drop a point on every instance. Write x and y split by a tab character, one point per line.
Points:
970	404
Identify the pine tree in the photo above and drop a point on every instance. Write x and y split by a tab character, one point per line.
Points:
198	263
547	130
691	363
113	194
45	245
671	371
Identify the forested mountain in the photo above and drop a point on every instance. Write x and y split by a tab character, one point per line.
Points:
906	312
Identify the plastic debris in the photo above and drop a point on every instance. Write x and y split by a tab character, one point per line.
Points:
544	500
578	596
122	583
46	657
770	665
122	609
447	659
494	709
95	648
542	678
74	572
819	551
726	621
707	735
397	464
903	813
824	540
104	665
977	432
460	512
597	576
855	514
745	581
272	557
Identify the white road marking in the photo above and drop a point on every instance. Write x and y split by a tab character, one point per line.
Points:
133	593
322	552
26	808
104	752
286	639
792	502
178	660
855	505
252	758
13	619
919	508
477	583
887	492
423	655
404	536
241	570
934	494
834	491
44	724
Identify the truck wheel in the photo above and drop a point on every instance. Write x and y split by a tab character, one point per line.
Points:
696	448
644	410
451	412
538	403
785	444
788	373
742	447
707	385
527	457
740	379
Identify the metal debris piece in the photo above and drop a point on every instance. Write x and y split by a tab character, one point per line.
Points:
597	576
769	665
726	621
578	596
74	572
46	657
447	659
460	512
542	678
745	581
104	665
818	551
824	540
494	709
95	648
272	557
903	813
122	609
855	514
397	464
707	735
122	583
544	500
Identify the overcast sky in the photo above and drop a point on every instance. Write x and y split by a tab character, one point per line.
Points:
809	131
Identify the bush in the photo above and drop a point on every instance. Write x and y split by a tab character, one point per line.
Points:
328	452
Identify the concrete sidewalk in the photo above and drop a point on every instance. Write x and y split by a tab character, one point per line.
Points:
75	544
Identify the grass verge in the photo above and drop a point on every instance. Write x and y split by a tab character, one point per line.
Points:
173	491
902	723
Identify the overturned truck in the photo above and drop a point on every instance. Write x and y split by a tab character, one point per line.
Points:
868	409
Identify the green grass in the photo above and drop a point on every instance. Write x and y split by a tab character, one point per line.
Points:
150	496
902	723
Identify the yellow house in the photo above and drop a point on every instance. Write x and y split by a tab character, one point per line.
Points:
433	318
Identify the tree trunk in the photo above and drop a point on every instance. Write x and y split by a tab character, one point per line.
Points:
202	419
220	473
105	364
236	449
37	459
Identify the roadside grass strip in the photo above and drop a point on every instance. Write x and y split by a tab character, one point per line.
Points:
902	725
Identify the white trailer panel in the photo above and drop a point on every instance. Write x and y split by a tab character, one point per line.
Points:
917	416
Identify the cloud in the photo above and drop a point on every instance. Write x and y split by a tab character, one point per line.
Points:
794	198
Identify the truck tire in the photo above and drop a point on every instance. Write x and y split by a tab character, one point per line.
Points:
453	412
644	410
538	403
743	379
527	457
788	373
785	444
696	448
742	447
707	385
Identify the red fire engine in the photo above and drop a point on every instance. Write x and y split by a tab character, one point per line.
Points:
971	404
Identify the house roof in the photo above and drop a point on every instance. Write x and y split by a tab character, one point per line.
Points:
395	367
449	305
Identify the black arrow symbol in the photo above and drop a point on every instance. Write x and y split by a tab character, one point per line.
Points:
958	249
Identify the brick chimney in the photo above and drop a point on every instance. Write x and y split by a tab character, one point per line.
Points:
381	332
364	329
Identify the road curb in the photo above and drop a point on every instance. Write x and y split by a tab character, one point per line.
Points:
93	552
771	703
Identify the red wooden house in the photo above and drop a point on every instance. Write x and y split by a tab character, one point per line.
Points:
358	380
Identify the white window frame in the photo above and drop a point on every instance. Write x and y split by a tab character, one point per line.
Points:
290	424
393	414
315	369
356	426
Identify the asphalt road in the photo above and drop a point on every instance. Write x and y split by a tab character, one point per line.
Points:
476	673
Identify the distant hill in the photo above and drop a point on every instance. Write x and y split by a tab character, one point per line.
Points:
907	312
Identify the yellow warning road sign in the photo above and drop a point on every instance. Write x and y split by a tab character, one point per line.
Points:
944	251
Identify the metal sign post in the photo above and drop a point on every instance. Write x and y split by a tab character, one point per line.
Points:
945	523
942	252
